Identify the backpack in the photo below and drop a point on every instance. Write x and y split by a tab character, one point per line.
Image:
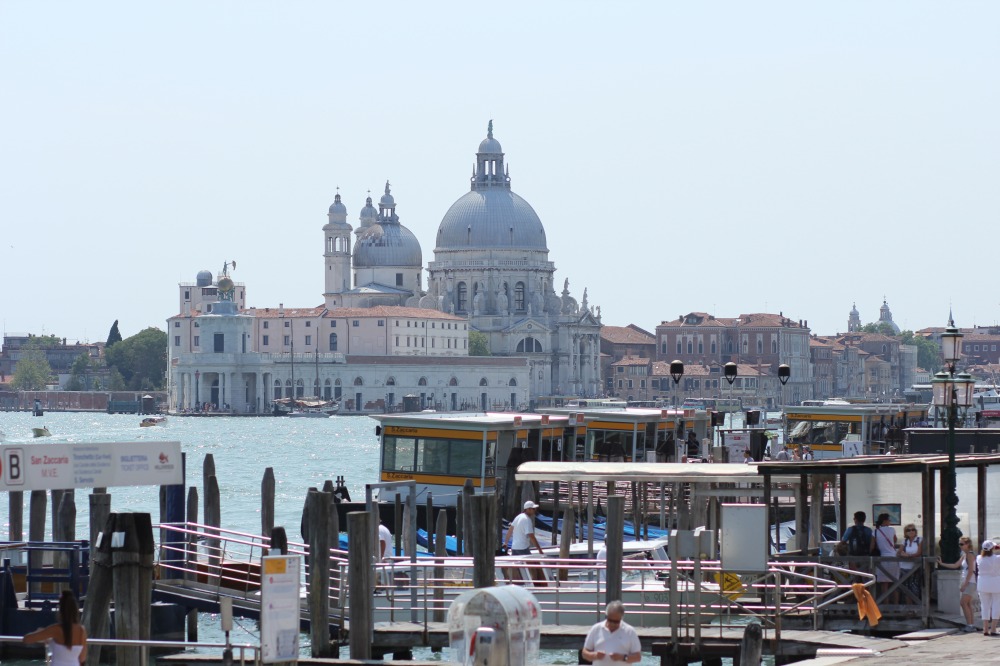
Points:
859	540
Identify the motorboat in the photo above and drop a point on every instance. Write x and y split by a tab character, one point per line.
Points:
316	408
41	432
151	421
308	414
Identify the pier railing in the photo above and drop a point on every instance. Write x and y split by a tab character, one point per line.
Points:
241	654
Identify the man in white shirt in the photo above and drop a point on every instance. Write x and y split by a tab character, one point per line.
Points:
384	546
612	641
522	529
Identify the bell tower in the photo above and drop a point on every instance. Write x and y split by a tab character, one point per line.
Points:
336	254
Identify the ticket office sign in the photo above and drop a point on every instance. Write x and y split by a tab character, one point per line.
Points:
90	465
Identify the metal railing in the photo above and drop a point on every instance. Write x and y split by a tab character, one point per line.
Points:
239	652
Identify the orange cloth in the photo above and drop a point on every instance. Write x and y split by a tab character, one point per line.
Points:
867	608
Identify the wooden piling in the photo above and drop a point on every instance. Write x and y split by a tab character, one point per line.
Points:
483	539
613	538
95	618
132	573
569	520
440	552
555	514
319	572
66	529
36	530
429	522
304	522
56	501
459	519
267	501
100	509
752	645
213	521
468	490
397	527
359	568
15	513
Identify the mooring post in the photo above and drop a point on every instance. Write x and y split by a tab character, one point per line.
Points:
96	617
36	530
554	538
132	572
429	522
468	490
267	502
15	515
213	521
100	510
397	527
569	519
67	531
483	541
359	567
56	501
752	645
613	538
459	519
319	572
440	552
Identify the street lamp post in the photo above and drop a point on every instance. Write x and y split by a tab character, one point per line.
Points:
197	389
676	372
950	393
730	370
784	374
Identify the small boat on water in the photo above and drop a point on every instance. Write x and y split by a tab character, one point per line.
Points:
150	421
308	414
41	432
315	407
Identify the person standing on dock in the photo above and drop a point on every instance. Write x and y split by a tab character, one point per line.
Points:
521	533
613	640
988	566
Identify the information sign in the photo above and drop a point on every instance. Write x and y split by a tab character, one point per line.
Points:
91	465
279	609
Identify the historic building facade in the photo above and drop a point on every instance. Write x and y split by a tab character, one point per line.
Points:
379	328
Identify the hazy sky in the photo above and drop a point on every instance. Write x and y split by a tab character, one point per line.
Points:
697	156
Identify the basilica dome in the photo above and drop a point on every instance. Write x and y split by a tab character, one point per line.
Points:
491	216
491	219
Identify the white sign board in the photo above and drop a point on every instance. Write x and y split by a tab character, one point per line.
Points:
279	609
91	465
737	443
743	537
853	446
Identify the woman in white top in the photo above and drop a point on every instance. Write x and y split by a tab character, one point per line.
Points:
886	573
988	566
67	639
967	587
911	550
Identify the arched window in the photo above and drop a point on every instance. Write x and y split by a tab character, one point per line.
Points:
288	388
512	382
690	347
391	381
746	347
337	382
730	345
774	346
529	345
277	389
333	342
316	387
358	381
453	382
300	388
679	350
327	390
519	296
483	382
713	346
422	381
463	297
760	346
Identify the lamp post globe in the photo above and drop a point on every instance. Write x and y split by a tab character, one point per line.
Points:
676	372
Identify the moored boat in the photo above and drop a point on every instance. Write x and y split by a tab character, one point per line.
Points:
150	421
41	432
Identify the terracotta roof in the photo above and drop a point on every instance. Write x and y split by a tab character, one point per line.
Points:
626	335
662	368
632	360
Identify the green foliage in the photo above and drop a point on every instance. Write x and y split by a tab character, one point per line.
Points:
928	353
114	336
140	361
79	374
44	341
883	327
32	371
116	382
479	344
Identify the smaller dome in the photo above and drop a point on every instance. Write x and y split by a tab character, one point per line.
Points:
387	201
490	145
386	245
338	208
368	214
204	279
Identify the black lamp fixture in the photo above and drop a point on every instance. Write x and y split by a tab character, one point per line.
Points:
784	373
730	371
676	371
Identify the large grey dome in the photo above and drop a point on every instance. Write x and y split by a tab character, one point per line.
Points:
493	218
386	244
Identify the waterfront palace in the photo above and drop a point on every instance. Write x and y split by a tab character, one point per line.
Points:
379	335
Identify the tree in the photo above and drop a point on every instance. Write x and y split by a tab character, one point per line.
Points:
140	360
114	336
479	344
883	327
79	374
928	353
32	371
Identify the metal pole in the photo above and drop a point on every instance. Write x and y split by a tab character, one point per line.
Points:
950	532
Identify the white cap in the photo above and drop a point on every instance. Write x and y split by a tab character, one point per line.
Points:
530	505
